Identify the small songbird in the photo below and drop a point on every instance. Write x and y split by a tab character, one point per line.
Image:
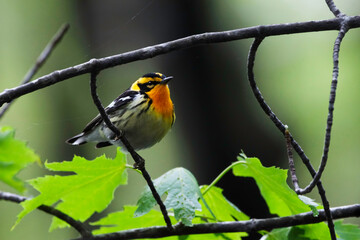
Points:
144	113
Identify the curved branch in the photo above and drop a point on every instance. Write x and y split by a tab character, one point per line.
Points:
236	226
83	229
329	124
194	40
266	108
316	178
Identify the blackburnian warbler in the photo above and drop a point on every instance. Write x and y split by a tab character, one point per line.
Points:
144	113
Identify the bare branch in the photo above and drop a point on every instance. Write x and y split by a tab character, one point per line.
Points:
266	108
40	60
335	74
83	229
191	41
316	178
236	226
139	161
334	9
291	160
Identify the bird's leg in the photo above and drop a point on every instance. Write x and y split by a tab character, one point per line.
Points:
140	163
118	137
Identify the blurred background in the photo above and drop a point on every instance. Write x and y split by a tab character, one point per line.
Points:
217	115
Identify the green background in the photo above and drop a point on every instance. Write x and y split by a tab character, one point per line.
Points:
293	73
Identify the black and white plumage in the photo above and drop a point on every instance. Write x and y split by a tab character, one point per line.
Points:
144	113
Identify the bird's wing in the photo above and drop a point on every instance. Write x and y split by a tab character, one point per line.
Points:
115	105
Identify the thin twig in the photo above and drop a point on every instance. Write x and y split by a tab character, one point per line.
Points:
82	228
190	41
291	160
329	121
235	226
139	161
334	9
282	128
40	60
220	176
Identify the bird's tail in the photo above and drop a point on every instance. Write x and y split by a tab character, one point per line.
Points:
77	140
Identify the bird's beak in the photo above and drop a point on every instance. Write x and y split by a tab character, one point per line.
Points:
166	80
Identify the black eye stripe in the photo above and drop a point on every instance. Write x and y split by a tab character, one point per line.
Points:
152	83
148	85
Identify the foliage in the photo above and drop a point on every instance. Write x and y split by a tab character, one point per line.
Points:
223	209
182	192
14	156
87	186
89	190
283	201
280	198
347	231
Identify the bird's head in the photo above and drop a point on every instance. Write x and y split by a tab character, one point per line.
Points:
151	83
155	86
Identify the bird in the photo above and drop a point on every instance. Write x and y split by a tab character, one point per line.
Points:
144	113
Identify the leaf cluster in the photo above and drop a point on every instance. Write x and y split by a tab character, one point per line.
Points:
88	186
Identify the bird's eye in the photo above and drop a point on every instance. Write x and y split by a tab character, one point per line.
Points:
150	84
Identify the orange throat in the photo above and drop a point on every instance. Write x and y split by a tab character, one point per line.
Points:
161	101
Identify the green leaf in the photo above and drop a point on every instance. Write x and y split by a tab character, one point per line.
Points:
89	190
315	231
182	192
277	234
14	156
289	233
223	209
280	198
311	203
226	211
213	236
124	220
347	231
299	233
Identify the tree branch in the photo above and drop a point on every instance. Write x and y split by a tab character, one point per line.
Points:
236	226
334	9
291	160
329	122
266	108
82	228
316	178
139	161
40	60
190	41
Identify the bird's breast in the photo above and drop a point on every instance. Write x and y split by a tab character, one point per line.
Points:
161	102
